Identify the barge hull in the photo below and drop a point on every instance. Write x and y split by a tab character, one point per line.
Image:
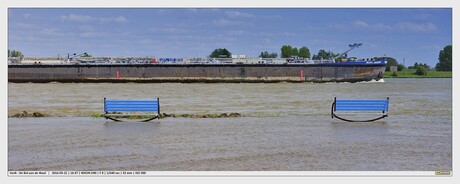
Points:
191	73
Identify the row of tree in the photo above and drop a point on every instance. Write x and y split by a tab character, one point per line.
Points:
445	59
287	51
14	53
444	64
416	65
267	55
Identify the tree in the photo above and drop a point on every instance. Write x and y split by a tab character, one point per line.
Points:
86	55
426	66
390	62
14	53
445	59
304	52
416	64
322	54
221	53
263	54
400	67
286	51
421	70
267	55
273	55
295	51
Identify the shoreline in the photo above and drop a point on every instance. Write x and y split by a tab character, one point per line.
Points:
410	73
25	114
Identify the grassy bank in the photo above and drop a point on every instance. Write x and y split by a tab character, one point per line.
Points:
410	73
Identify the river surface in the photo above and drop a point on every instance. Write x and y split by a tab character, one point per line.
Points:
284	127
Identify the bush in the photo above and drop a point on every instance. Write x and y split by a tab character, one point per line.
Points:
421	71
394	74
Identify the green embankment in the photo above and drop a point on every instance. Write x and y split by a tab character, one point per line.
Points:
410	73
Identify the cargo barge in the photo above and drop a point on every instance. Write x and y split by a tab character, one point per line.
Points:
191	73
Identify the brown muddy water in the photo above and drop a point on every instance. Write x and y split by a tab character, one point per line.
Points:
284	127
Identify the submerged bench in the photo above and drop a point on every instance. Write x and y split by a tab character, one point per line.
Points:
360	106
124	108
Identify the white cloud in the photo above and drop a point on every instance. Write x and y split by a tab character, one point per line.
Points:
77	18
168	30
27	16
54	33
236	32
146	41
403	26
86	28
238	14
360	24
414	27
340	26
266	40
431	47
86	18
377	26
24	26
288	34
423	16
381	26
225	22
91	34
119	19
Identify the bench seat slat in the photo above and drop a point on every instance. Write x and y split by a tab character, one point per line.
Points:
115	109
360	102
361	108
126	103
131	106
131	114
130	101
361	105
130	110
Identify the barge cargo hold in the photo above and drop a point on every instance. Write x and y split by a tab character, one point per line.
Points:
189	73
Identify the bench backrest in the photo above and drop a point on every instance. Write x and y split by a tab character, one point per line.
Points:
361	105
132	105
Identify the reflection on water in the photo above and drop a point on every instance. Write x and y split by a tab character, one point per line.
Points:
360	132
284	126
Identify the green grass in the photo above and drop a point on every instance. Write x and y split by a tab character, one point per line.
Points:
410	73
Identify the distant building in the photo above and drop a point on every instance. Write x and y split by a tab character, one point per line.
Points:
14	60
393	68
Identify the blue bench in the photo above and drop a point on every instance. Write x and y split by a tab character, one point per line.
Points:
360	106
122	108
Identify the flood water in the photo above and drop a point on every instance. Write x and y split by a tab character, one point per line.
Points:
284	127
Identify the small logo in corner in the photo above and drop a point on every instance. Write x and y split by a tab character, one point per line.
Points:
443	173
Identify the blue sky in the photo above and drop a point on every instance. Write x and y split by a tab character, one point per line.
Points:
412	34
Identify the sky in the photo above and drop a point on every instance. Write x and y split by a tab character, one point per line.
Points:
407	34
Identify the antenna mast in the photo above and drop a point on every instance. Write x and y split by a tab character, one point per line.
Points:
352	46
